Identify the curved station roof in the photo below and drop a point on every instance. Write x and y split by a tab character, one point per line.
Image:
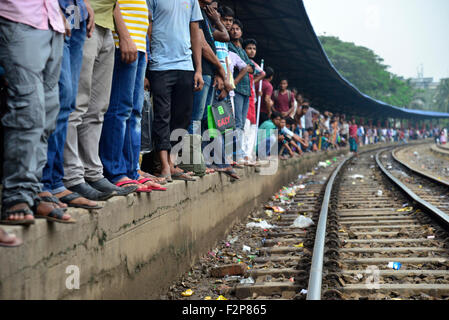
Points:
287	42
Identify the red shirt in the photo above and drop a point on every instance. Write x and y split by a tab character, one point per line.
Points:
267	90
282	104
353	130
251	115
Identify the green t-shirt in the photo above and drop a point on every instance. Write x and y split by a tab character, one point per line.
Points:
104	13
268	126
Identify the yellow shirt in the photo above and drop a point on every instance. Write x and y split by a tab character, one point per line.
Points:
104	12
135	15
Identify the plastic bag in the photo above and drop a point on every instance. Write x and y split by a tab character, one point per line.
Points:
263	224
302	222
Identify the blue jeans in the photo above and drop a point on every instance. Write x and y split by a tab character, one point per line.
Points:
72	60
121	133
241	105
201	99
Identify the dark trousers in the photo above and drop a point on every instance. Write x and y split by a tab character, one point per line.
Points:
172	104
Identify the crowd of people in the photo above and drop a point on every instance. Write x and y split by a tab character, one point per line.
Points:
112	97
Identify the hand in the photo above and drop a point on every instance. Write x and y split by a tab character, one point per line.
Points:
68	31
223	95
218	83
250	69
128	49
228	86
198	81
90	20
213	14
146	84
259	93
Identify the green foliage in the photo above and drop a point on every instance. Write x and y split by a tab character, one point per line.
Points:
442	96
366	70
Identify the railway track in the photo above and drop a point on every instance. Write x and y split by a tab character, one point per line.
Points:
375	241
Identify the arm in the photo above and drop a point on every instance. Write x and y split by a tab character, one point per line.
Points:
210	56
195	38
150	25
90	20
127	46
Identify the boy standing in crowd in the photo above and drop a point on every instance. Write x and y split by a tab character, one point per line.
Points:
72	60
121	134
250	129
243	89
83	170
31	45
284	100
175	46
266	104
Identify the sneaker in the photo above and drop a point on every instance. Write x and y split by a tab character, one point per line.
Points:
104	185
86	191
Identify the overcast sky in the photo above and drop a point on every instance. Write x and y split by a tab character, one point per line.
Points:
405	33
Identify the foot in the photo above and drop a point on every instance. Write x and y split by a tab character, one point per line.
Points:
56	204
139	187
9	240
150	176
18	218
46	208
150	183
90	193
79	201
104	185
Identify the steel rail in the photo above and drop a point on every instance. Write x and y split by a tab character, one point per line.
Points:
316	270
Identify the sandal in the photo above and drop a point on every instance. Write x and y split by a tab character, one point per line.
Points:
25	211
56	215
167	177
144	180
182	176
155	179
231	173
143	189
10	244
70	197
52	199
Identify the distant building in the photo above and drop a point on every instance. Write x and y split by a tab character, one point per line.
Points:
424	83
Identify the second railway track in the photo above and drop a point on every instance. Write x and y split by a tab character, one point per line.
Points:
370	225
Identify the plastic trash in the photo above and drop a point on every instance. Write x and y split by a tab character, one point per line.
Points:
246	249
247	281
357	176
322	164
430	237
301	186
221	298
379	193
301	245
187	293
278	209
208	298
394	265
303	291
263	225
302	222
232	240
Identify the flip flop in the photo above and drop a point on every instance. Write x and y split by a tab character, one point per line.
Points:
54	216
167	177
143	180
154	178
17	242
182	176
72	196
52	199
231	173
144	189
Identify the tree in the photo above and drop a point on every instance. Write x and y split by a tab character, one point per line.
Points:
442	96
367	72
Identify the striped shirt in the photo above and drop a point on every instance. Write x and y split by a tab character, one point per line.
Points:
135	16
222	53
